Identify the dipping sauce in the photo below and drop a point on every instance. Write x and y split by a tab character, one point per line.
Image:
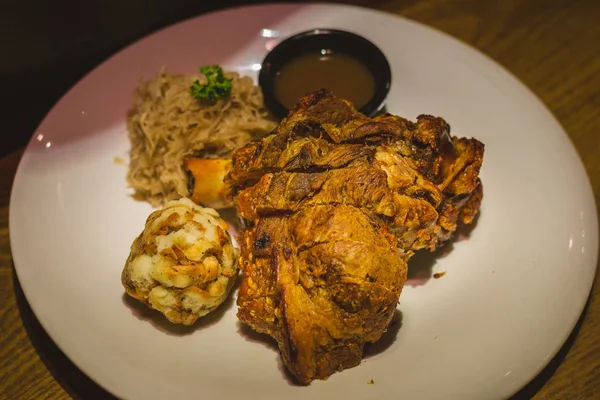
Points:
342	62
344	75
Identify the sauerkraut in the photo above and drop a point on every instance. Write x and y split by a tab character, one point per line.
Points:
167	124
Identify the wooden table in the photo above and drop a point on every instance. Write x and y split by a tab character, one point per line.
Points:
552	46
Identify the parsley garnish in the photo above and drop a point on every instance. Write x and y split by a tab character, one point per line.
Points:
217	85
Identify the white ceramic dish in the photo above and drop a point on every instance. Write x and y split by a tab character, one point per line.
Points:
512	293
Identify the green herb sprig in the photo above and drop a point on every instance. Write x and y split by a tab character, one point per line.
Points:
217	85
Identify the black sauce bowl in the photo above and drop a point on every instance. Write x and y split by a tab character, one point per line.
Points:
336	41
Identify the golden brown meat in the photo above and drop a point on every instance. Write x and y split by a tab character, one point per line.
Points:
334	204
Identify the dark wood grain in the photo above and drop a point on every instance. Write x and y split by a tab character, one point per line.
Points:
551	45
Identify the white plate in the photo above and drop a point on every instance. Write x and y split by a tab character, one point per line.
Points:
512	293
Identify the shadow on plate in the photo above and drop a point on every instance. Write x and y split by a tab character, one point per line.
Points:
383	111
420	266
230	216
387	339
160	322
269	343
71	379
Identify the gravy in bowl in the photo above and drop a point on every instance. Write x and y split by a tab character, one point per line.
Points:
342	74
342	62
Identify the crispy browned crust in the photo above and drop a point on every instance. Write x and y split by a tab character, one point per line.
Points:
329	202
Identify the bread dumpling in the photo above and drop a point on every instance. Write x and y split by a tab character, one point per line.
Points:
183	264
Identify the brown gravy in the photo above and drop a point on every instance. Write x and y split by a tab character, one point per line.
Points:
344	75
